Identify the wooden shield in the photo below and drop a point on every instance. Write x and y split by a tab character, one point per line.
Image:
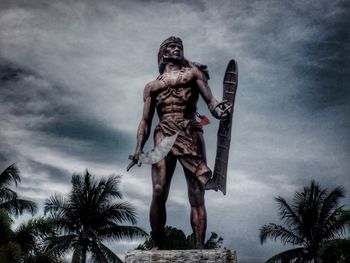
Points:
224	132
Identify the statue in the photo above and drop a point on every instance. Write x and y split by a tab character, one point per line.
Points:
174	95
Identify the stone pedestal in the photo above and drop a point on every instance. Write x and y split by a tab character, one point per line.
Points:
174	256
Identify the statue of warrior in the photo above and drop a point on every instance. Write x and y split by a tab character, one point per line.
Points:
174	95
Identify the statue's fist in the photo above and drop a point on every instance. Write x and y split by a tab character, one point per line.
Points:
221	110
136	157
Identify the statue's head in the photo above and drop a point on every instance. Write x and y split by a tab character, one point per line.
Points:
171	50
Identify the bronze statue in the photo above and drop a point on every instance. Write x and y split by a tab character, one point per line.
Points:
174	95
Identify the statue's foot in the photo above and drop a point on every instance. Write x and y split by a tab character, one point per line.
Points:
200	247
155	248
211	185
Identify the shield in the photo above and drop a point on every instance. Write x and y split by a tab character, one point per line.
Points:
224	132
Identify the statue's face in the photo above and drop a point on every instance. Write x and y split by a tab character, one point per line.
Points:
173	51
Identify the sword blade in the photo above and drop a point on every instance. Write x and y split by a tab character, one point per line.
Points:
159	152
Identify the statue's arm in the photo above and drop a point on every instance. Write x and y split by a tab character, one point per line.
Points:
219	110
144	127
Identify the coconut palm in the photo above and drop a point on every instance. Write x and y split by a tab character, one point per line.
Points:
313	218
9	200
91	213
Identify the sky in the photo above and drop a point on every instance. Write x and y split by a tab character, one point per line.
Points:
72	75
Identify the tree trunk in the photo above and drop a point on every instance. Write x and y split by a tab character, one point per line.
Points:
83	256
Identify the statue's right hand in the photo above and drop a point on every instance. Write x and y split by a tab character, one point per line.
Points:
134	159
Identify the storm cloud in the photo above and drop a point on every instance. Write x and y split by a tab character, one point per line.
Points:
71	80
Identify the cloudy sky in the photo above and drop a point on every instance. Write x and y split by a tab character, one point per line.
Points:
71	80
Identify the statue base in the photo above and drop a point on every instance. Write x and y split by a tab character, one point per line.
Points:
172	256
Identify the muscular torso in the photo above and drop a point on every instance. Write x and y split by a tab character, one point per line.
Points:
176	94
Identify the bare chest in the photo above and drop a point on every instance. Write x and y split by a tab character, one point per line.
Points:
176	87
176	78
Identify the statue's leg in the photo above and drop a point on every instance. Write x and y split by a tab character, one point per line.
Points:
198	211
161	177
196	190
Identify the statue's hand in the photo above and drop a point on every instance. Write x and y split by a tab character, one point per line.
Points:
134	159
221	110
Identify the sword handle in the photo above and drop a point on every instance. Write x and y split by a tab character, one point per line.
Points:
131	164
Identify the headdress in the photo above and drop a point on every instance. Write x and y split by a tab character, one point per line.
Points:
171	39
165	43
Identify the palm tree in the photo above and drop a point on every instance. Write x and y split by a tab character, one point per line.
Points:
9	200
314	217
90	214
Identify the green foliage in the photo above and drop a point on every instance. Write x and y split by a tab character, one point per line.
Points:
91	213
311	220
214	241
337	250
32	237
175	239
10	252
26	243
5	227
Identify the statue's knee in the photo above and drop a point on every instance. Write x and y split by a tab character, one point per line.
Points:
158	191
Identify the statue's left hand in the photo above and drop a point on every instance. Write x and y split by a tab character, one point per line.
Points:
222	110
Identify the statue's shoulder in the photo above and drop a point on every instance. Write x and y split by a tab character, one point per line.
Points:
149	88
152	86
200	70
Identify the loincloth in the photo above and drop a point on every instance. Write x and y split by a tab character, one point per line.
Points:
185	148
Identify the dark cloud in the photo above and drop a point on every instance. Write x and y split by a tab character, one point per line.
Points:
72	74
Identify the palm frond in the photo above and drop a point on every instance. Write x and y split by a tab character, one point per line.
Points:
111	256
61	244
40	227
287	213
7	194
336	224
330	203
109	189
276	231
102	254
118	232
19	206
97	254
54	204
119	212
9	175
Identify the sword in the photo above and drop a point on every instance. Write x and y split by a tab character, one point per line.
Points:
156	154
